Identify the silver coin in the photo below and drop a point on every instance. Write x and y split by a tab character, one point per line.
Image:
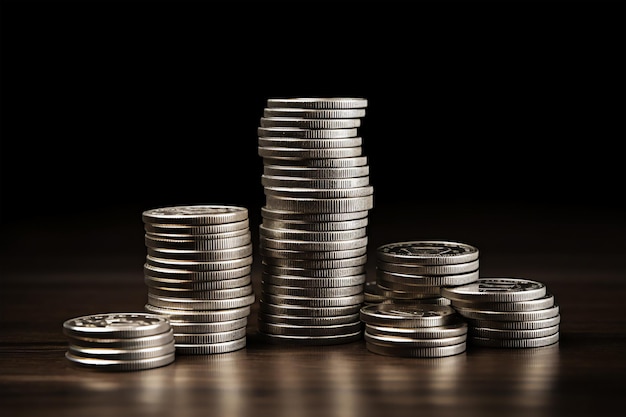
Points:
319	193
310	123
417	269
305	254
125	354
179	303
427	252
514	343
196	214
278	214
195	285
314	246
408	342
425	352
300	330
342	301
517	316
210	348
218	326
198	244
308	321
315	172
123	343
309	153
283	142
311	292
427	280
200	316
308	282
313	183
199	266
395	314
316	226
401	291
516	325
355	161
512	334
307	235
222	294
304	133
306	264
186	230
544	302
266	307
184	274
500	290
318	102
212	337
315	272
201	255
314	113
116	325
281	339
456	328
122	365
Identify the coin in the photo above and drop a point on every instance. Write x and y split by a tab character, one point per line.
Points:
427	252
496	290
116	325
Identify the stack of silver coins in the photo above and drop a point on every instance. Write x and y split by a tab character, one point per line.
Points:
198	273
507	312
418	270
313	237
409	329
120	341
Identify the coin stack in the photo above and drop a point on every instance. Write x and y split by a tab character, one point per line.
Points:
120	341
507	312
313	238
198	274
417	270
400	328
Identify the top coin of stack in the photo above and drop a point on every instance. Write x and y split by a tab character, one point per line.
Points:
198	269
313	236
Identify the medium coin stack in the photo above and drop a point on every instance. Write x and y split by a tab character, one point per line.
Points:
507	312
418	270
120	341
198	273
409	329
313	239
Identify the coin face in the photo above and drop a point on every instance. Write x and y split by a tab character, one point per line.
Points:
117	325
427	252
497	290
196	214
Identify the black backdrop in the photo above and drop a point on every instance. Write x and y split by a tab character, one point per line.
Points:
111	108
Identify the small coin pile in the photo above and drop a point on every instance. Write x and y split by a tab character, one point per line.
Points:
198	273
313	237
409	329
507	312
417	270
120	341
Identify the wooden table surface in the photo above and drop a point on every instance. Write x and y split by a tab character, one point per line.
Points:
72	271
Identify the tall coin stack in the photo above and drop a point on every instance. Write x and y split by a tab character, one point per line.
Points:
416	271
313	237
198	274
507	312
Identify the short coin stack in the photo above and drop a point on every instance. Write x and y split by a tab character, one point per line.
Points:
507	312
313	236
198	269
399	328
120	341
417	270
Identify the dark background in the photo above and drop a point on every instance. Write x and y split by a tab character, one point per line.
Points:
476	110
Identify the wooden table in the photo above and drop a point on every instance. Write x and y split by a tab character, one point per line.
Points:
55	272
